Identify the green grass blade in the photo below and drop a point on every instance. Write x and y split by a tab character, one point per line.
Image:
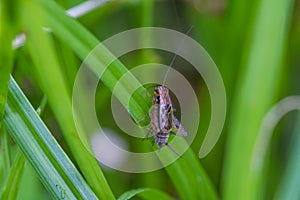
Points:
11	187
7	27
7	17
82	42
289	186
188	176
257	87
145	193
56	171
5	151
190	179
78	37
48	69
230	58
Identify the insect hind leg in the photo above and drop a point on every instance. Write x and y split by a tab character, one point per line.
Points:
178	134
173	150
150	131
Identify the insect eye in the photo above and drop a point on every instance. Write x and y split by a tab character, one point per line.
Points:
156	92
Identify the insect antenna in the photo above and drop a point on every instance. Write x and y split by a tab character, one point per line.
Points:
175	55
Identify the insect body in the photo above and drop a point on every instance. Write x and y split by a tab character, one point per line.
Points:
167	121
160	137
163	122
165	108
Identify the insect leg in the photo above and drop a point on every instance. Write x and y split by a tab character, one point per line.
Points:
178	127
172	149
150	131
177	134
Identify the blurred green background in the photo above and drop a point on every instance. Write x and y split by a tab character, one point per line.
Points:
255	45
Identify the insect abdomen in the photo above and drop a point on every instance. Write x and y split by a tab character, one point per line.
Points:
161	139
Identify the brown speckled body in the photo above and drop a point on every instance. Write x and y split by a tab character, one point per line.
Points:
165	108
160	137
163	122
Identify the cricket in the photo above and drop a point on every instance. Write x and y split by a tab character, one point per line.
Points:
162	119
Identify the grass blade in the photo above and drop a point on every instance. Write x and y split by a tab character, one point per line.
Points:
7	17
56	171
48	69
11	187
190	179
145	193
82	43
289	186
7	27
257	84
5	150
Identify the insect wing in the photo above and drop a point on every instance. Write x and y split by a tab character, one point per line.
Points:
178	127
154	123
165	116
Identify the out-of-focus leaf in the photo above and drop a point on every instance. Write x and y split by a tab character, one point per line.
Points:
145	193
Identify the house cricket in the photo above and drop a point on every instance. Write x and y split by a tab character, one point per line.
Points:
163	122
162	119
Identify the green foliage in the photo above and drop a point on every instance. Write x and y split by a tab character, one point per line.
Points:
250	41
288	189
56	171
258	95
145	193
11	187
